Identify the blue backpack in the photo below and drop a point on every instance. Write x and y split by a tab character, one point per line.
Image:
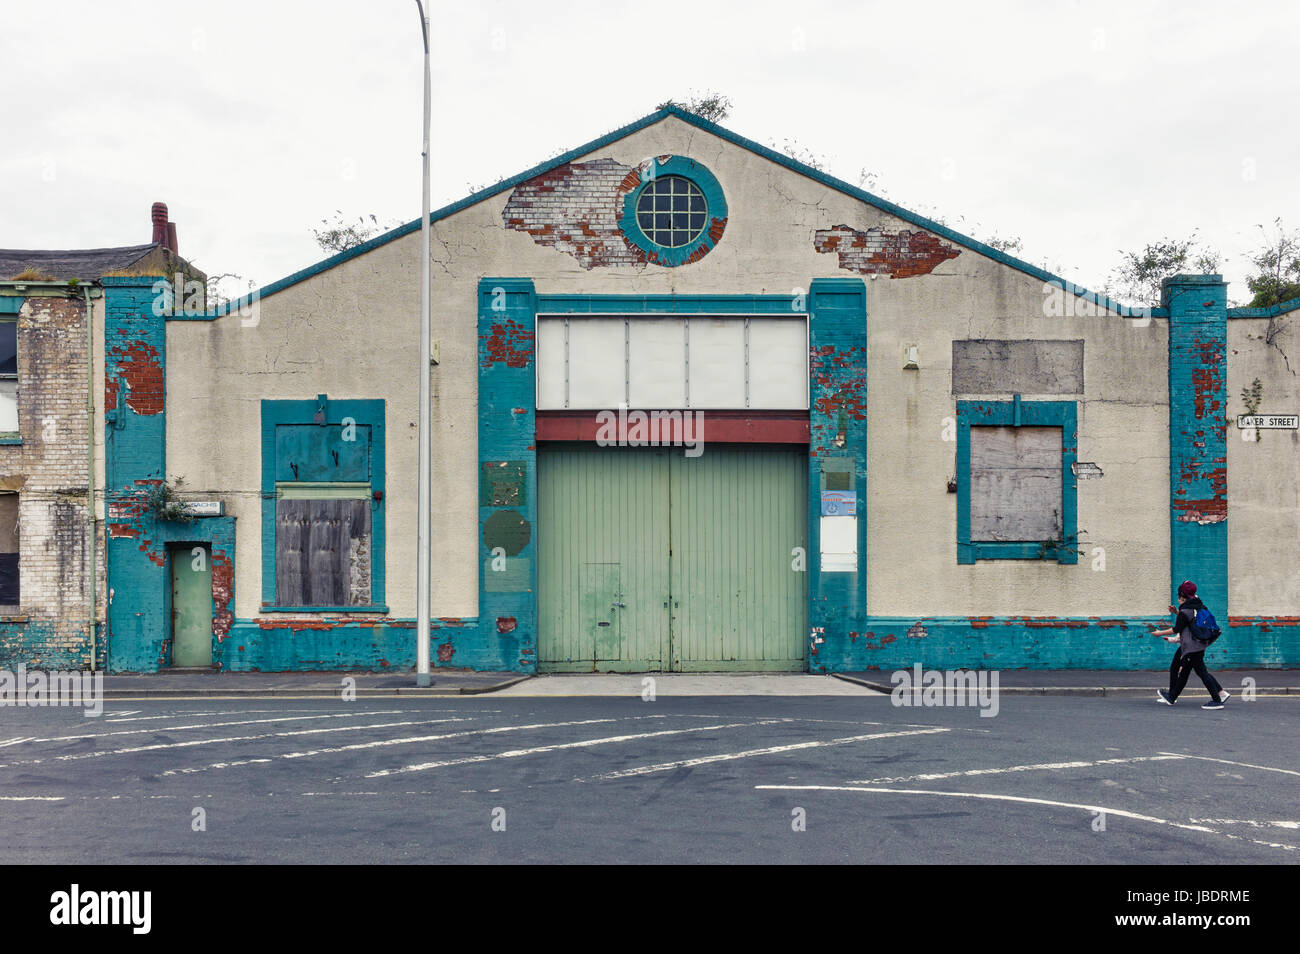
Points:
1204	628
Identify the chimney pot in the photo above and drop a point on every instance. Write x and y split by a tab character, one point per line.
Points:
171	238
159	217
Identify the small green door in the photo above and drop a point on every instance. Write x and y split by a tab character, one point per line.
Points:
191	606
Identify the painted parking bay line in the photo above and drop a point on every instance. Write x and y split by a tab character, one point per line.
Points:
1024	800
401	740
559	746
161	746
770	750
1038	767
204	725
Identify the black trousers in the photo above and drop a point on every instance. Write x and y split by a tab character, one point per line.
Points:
1181	668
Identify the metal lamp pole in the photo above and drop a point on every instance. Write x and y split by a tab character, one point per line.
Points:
422	677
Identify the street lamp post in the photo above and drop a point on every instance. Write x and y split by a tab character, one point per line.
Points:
422	676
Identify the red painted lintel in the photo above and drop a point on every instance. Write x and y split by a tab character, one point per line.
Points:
751	427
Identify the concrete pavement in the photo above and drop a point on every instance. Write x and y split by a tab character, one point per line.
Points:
454	682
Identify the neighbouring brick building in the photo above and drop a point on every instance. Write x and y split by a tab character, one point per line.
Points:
696	407
52	562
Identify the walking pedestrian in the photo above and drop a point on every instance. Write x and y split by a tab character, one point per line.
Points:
1191	652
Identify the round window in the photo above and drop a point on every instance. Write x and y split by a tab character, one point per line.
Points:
672	211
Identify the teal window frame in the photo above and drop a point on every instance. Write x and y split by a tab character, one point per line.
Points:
715	209
12	437
1018	413
364	413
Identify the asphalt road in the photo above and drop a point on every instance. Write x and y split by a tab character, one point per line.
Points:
706	779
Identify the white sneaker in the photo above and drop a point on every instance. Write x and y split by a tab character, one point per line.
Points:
1223	697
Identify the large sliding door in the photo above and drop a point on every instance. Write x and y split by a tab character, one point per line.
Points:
652	560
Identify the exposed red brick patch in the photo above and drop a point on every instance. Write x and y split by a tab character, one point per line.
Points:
223	590
445	652
1214	510
877	251
508	343
574	208
142	371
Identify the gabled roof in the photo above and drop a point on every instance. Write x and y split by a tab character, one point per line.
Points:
85	264
688	117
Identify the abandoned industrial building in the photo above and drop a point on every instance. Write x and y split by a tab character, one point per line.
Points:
696	407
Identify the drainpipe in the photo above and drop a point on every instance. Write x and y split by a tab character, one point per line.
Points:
90	459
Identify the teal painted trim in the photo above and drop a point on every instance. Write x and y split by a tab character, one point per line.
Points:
1198	403
1281	308
10	304
323	609
671	304
779	158
1017	413
10	440
715	212
884	643
837	431
374	645
365	413
438	214
507	429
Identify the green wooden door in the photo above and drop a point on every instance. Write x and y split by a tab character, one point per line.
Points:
602	541
191	606
738	601
650	560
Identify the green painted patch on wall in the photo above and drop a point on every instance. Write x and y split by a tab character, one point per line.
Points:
503	483
508	530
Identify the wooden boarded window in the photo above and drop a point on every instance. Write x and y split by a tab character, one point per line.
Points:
1015	484
322	548
9	592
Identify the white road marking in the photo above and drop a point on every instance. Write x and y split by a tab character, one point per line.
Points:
585	743
208	725
1295	825
31	798
1022	799
196	715
236	738
18	741
405	740
1042	766
1262	768
770	750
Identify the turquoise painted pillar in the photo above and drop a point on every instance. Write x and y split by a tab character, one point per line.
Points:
507	477
1198	470
135	355
837	466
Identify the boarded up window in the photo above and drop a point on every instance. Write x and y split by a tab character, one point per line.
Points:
9	595
1015	480
322	552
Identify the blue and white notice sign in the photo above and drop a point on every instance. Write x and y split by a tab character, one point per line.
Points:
839	503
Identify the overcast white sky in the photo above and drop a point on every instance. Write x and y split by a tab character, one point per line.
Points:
1081	127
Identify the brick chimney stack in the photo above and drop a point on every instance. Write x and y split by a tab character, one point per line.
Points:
164	231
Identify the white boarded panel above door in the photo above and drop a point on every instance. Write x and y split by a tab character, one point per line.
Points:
668	362
551	354
597	364
778	363
717	376
656	362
